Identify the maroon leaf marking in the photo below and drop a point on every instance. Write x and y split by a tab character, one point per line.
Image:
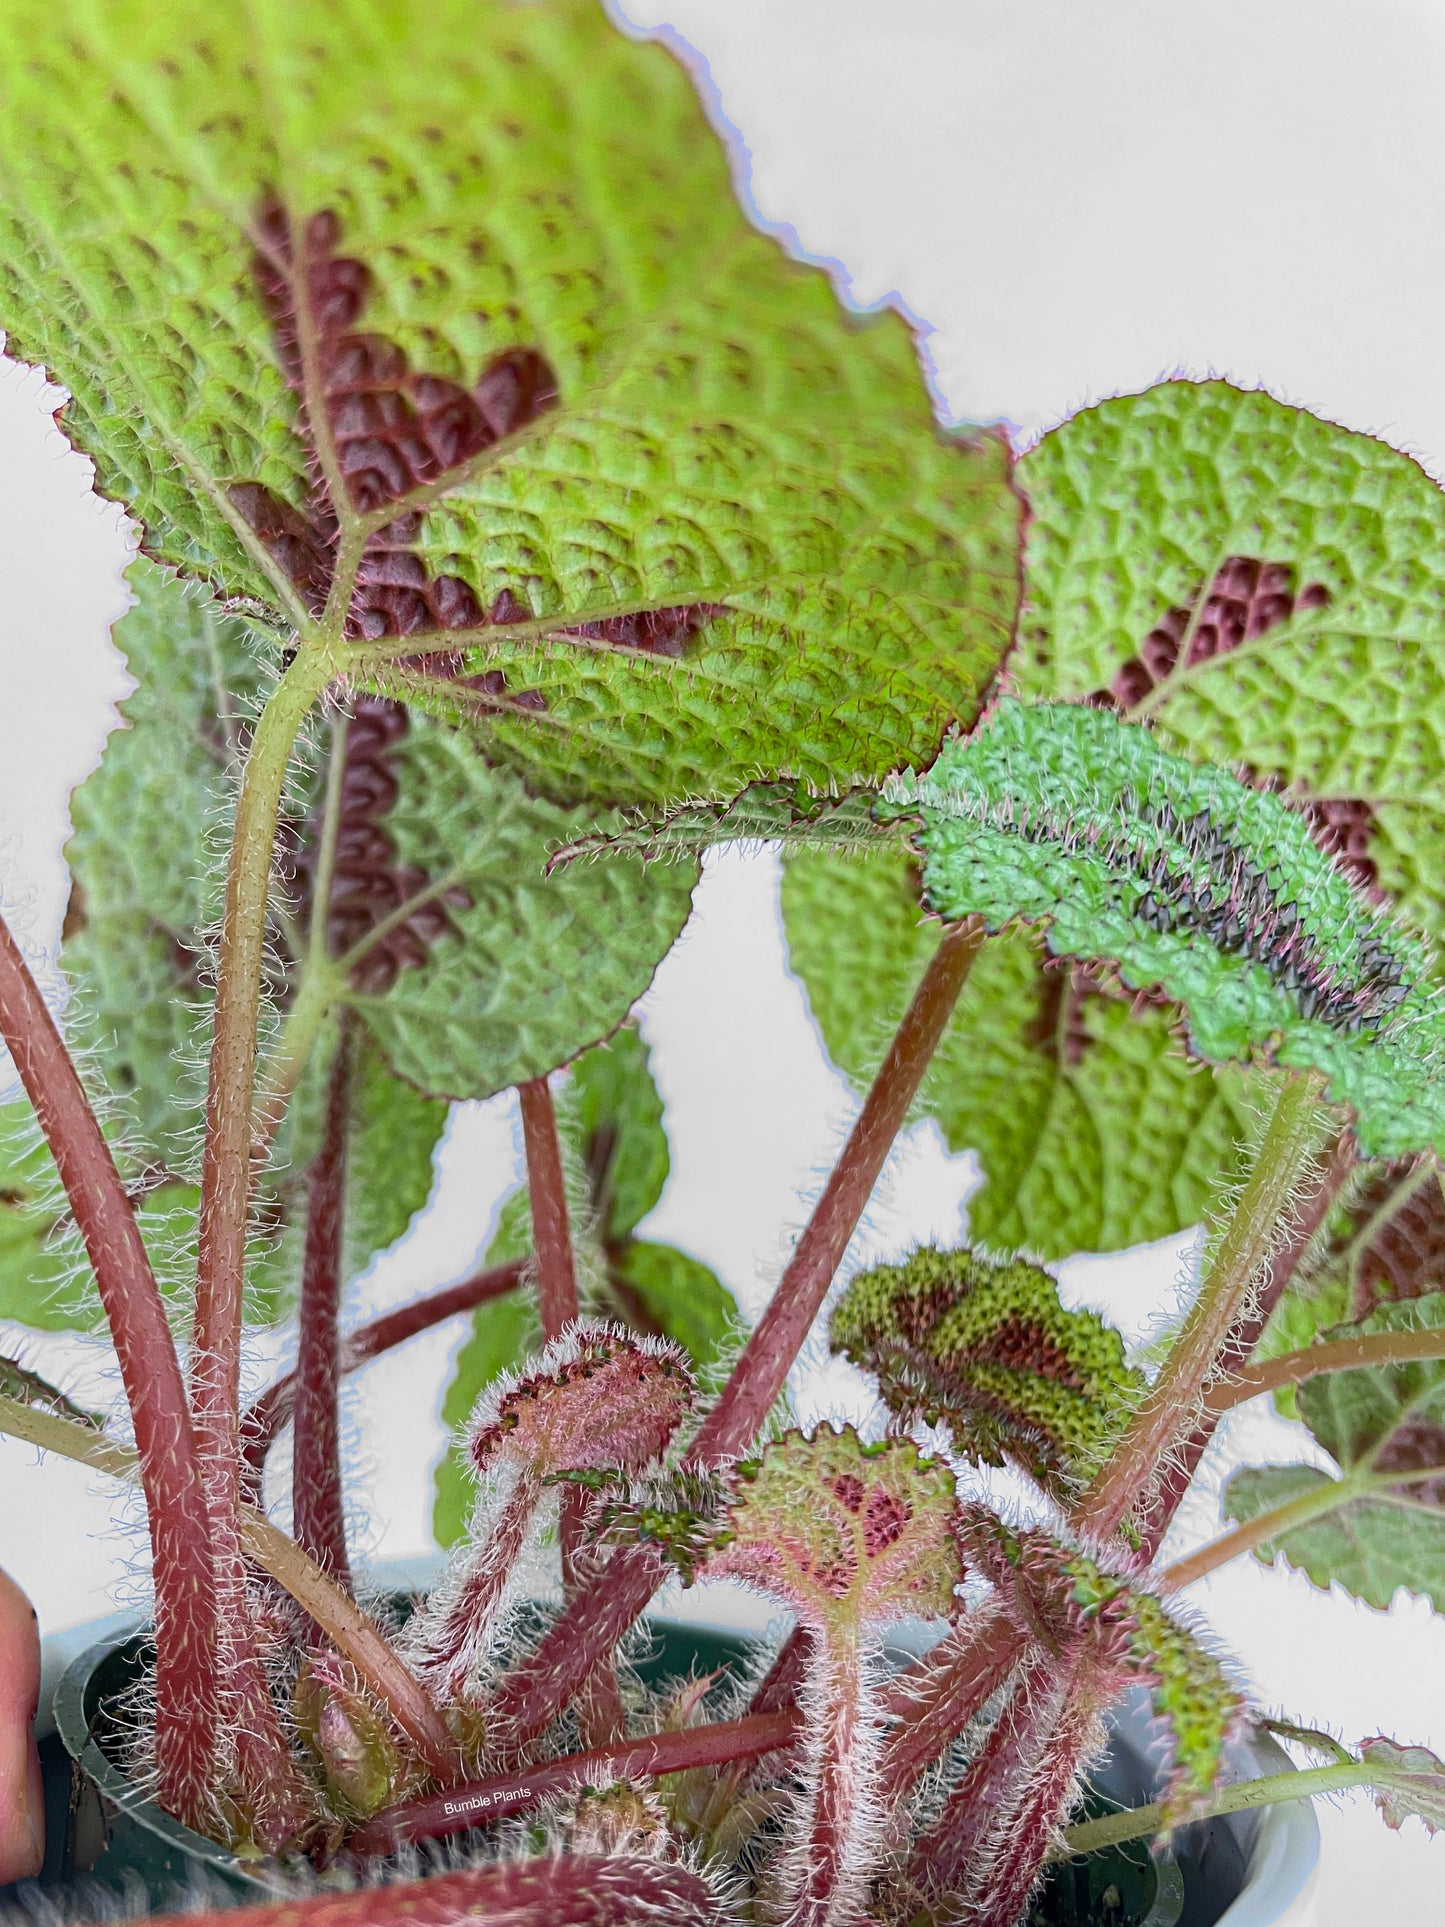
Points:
1023	1347
394	430
1067	984
657	632
368	884
1246	599
1415	1445
1405	1257
1343	827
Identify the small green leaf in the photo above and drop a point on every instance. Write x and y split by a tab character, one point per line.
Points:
681	1297
1408	1782
984	1345
1303	563
1093	1129
1382	1524
1186	877
616	1114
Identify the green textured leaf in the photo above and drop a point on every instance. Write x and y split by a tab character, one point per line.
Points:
1334	683
681	1297
1408	1782
985	1346
539	967
506	180
1092	1127
1186	877
617	1113
1381	1524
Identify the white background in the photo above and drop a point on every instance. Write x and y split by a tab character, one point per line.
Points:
1073	197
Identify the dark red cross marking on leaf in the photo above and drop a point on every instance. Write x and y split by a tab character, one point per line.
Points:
394	430
1246	599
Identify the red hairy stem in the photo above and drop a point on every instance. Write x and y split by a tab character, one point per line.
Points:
551	1237
1246	1333
934	1701
600	1705
831	1871
540	1685
784	1679
186	1707
1000	1892
777	1338
725	1743
320	1521
460	1639
994	1781
267	1414
578	1890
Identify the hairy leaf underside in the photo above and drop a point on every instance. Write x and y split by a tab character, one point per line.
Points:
468	286
1188	878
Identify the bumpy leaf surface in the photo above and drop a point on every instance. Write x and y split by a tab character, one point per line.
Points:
674	516
985	1346
1268	588
1093	1128
1191	879
539	967
846	1534
1385	1427
1058	1589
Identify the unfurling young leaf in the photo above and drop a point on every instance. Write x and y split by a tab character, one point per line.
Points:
1381	1524
1062	1591
847	1535
1189	878
985	1346
595	1401
851	1538
1409	1782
